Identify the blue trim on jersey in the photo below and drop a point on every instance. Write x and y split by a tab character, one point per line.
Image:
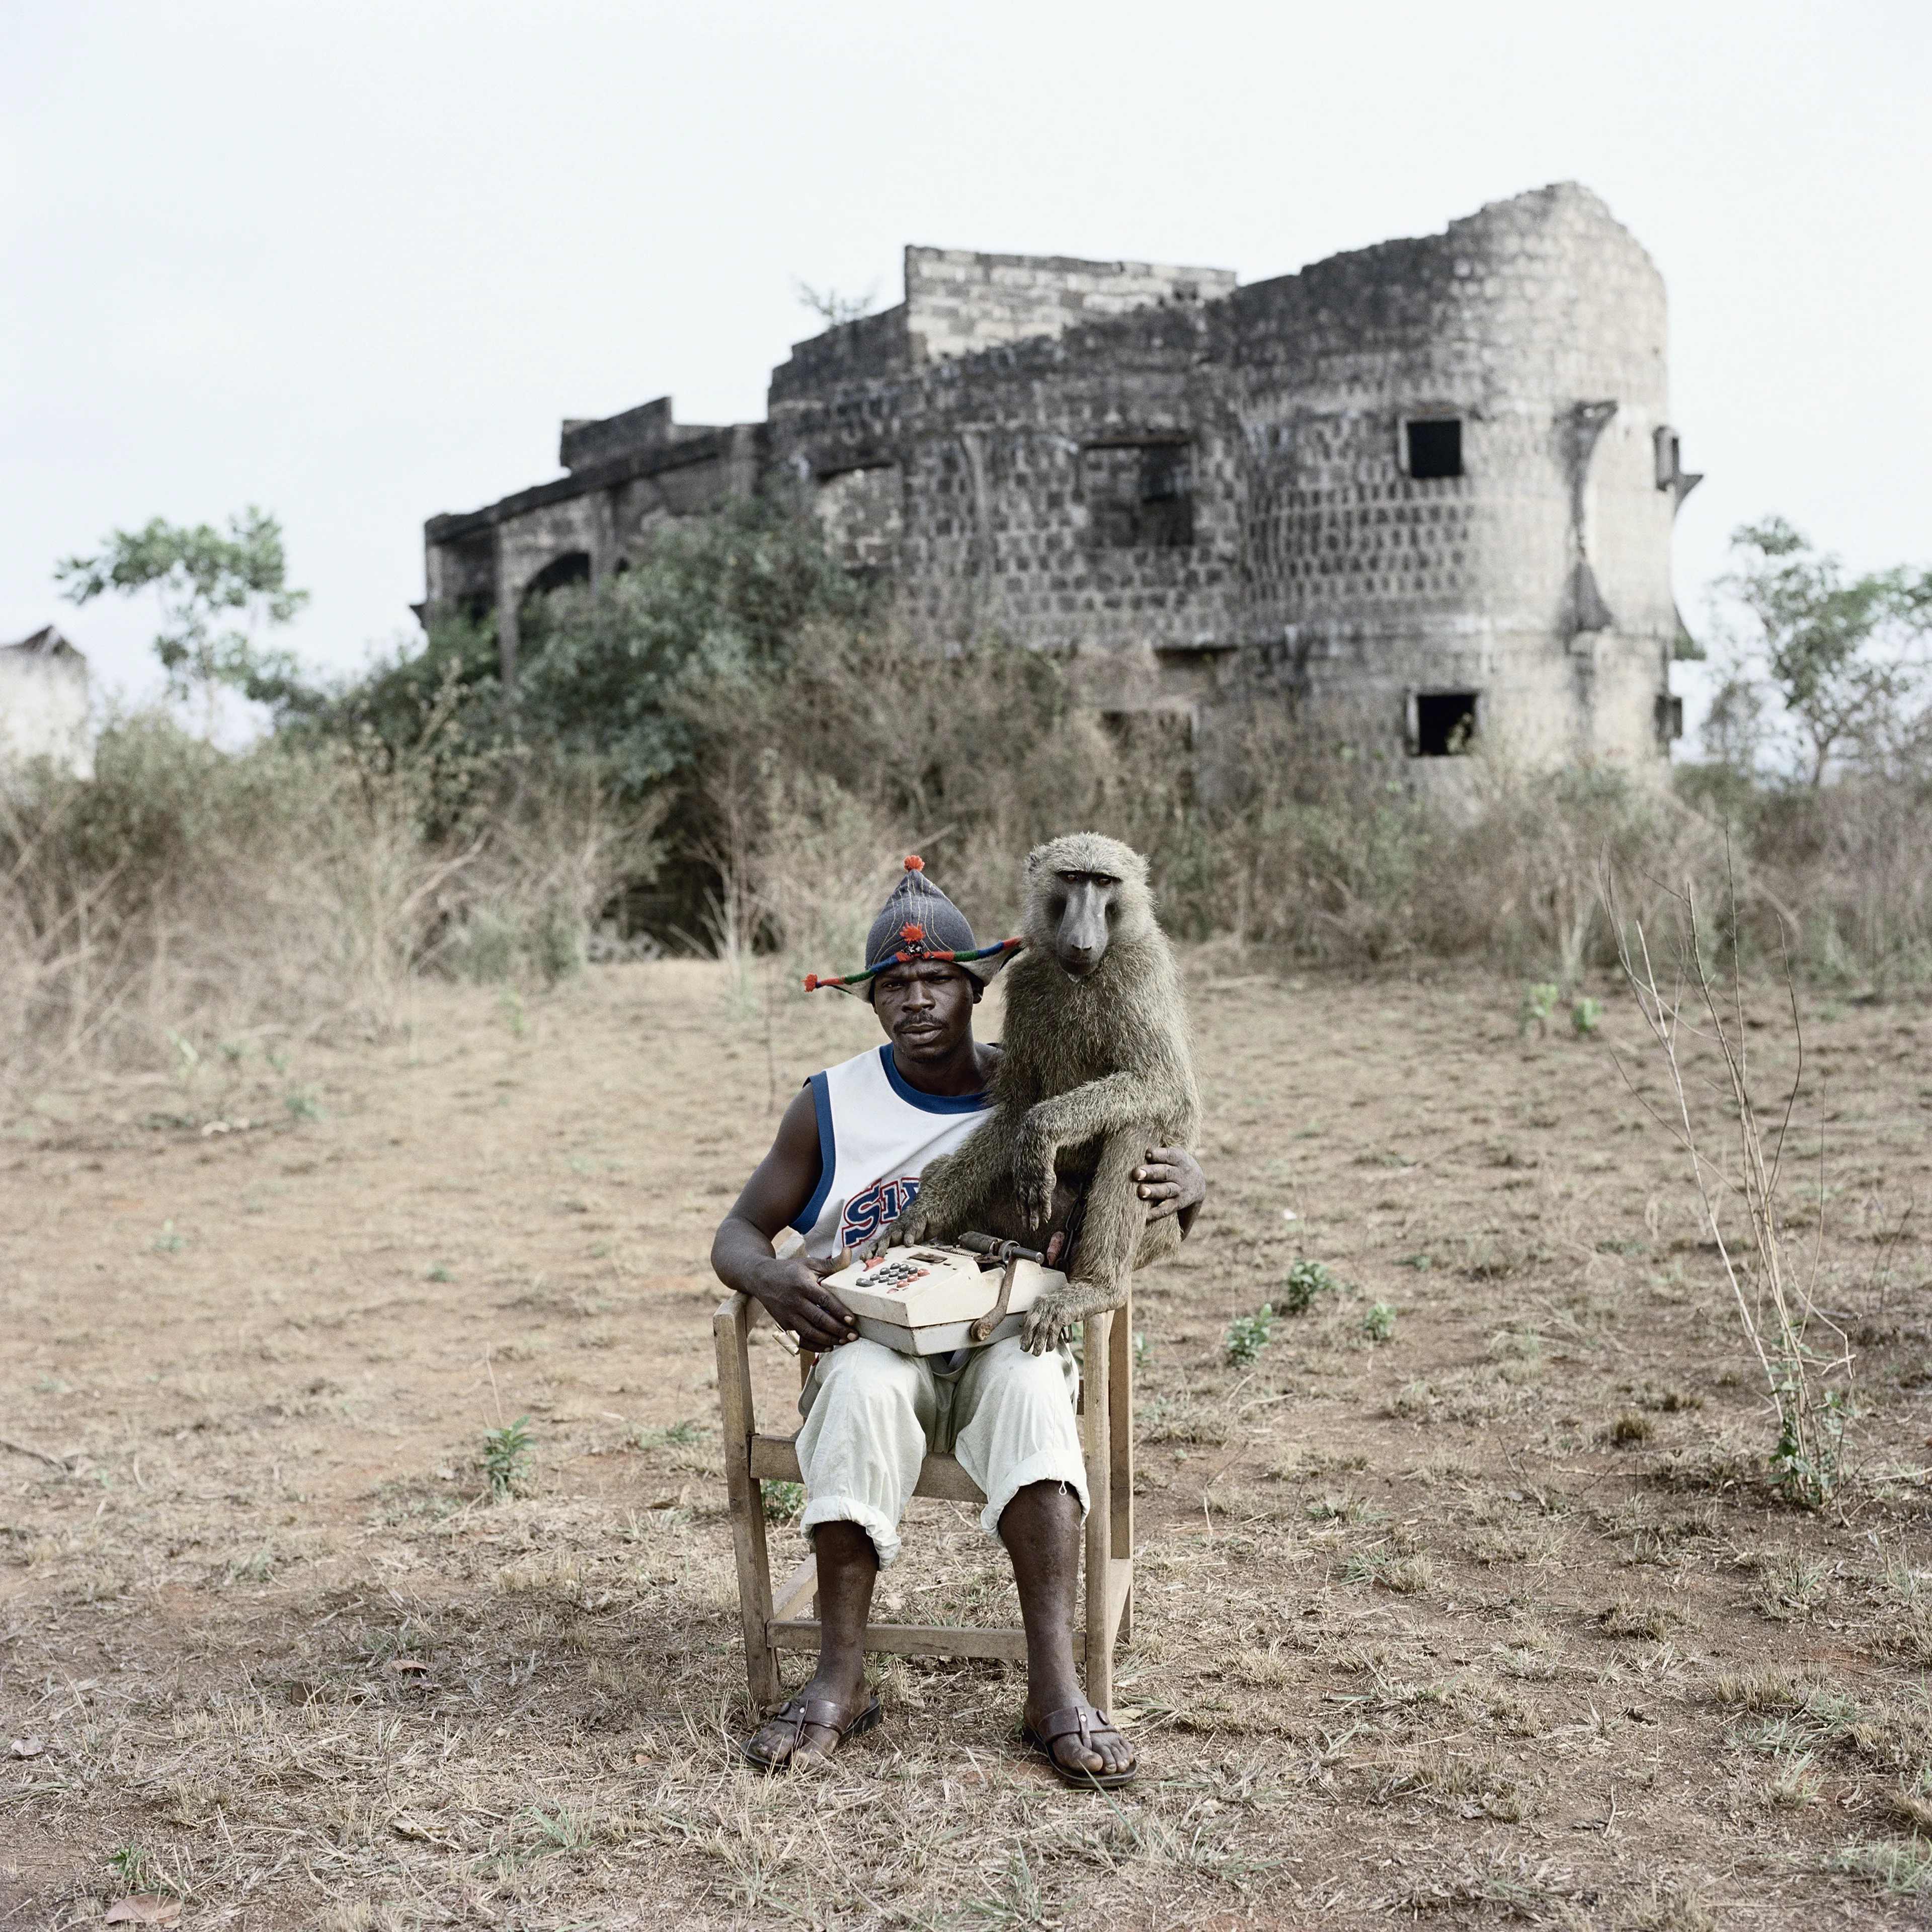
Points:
828	1155
929	1103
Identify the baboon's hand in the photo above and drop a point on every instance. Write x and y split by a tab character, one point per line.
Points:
1050	1319
911	1227
1046	1324
1034	1175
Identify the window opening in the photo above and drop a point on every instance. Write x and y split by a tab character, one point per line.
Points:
1140	496
573	567
1436	446
1669	719
1445	722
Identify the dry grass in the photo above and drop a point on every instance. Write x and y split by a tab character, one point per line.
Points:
185	905
268	1644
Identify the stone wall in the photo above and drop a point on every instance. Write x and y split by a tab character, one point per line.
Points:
1428	474
1198	497
958	302
604	512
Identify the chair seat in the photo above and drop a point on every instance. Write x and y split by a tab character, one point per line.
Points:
775	1460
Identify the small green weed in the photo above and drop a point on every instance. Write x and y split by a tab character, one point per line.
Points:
167	1242
507	1453
1379	1324
1306	1280
783	1501
440	1272
1539	1002
1248	1335
133	1870
1422	1264
304	1107
563	1833
1587	1014
1808	1479
510	1004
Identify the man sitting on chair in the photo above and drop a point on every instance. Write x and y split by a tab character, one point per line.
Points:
846	1161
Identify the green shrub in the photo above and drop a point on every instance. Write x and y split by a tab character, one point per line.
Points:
1248	1335
1306	1280
506	1457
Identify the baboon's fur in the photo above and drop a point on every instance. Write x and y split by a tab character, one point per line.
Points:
1094	1072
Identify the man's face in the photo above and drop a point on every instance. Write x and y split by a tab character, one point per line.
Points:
925	1006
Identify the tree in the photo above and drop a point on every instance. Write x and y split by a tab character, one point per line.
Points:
201	575
834	308
709	613
1839	651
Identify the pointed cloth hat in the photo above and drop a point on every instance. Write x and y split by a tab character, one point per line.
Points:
918	922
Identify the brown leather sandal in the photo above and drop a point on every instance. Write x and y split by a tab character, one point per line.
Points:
822	1715
1089	1721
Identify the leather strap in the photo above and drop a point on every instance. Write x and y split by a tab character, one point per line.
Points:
1084	1718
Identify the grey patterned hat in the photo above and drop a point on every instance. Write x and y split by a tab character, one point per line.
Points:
918	922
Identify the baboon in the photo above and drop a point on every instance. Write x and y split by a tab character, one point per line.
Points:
1097	1068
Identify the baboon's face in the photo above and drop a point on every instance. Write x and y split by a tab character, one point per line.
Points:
1082	908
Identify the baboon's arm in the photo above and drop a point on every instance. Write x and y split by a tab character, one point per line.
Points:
1107	1106
1113	1227
1101	1106
954	1189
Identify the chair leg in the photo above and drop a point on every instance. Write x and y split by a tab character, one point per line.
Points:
1099	1513
730	1328
1121	1454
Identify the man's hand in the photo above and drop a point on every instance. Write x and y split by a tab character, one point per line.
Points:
1170	1182
796	1299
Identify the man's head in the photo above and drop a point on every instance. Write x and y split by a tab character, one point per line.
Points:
925	1006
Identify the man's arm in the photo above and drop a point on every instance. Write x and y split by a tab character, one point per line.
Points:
741	1252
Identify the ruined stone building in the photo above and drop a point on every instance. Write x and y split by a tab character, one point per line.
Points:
43	706
1426	487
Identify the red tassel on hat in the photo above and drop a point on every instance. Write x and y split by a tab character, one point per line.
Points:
914	863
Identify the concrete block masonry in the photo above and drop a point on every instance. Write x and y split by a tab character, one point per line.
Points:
1420	479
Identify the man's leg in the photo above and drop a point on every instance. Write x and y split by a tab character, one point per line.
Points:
1041	1529
1017	1436
860	1452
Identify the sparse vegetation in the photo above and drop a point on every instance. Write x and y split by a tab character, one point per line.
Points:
346	1679
336	1657
1248	1335
1304	1281
507	1455
1778	1312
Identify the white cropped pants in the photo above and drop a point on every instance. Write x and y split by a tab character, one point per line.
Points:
871	1414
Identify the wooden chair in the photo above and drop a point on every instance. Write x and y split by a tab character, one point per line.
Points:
785	1622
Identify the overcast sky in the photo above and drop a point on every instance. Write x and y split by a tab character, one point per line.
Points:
354	262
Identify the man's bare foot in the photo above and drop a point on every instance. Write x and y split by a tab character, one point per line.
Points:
1081	1750
792	1737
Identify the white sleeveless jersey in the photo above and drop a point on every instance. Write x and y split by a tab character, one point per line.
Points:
876	1134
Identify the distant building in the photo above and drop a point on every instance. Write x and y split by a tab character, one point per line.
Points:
44	703
1425	488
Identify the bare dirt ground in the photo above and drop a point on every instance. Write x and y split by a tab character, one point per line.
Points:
1494	1618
